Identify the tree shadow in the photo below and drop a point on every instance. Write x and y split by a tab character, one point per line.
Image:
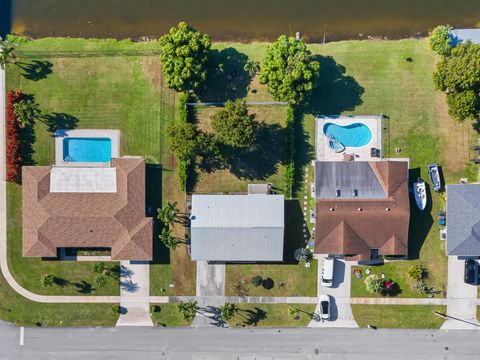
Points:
36	70
394	290
213	313
129	286
59	121
226	76
420	221
61	282
83	287
262	159
27	139
253	317
335	91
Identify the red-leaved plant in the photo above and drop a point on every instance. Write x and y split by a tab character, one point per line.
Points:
13	153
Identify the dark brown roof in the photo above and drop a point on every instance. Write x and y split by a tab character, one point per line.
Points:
381	223
116	220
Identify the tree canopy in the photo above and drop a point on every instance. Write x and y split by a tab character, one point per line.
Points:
459	76
26	111
289	69
234	126
184	55
440	40
183	140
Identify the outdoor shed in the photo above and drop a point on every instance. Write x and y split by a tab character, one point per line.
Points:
238	228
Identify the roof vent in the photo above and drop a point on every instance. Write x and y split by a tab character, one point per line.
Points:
337	192
355	192
359	209
387	209
331	209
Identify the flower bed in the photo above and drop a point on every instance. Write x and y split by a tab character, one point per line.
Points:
13	153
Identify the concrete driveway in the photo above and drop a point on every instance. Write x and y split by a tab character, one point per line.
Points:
461	298
340	310
210	282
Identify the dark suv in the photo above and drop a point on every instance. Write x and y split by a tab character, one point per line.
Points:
471	272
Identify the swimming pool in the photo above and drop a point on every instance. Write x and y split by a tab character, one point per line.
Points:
353	135
87	149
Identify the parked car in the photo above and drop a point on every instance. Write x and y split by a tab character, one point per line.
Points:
471	272
325	307
327	271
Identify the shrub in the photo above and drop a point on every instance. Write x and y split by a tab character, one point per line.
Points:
100	280
48	280
115	309
13	152
98	267
373	283
155	308
256	280
440	40
416	272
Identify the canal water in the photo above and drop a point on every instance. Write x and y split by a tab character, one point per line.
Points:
244	20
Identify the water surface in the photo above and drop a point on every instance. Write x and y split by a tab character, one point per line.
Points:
240	20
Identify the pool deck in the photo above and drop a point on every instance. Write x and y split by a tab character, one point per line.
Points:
112	134
323	151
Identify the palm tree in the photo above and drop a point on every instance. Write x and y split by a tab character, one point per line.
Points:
26	111
187	309
251	67
7	53
228	311
100	280
168	214
48	280
168	239
293	310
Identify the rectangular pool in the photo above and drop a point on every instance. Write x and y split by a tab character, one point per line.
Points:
88	149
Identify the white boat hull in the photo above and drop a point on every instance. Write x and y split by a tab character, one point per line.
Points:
420	194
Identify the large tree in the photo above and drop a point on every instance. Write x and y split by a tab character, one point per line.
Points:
440	40
289	69
184	55
459	76
183	141
234	126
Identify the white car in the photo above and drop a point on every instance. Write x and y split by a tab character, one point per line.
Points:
324	307
328	266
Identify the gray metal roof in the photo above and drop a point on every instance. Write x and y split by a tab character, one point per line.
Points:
464	35
237	227
347	176
463	220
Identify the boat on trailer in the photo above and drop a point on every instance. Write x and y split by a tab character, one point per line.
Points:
420	194
434	177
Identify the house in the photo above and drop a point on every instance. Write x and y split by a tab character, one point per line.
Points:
238	228
85	207
362	208
463	222
463	35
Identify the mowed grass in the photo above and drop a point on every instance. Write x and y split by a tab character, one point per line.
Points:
399	316
271	315
21	311
168	316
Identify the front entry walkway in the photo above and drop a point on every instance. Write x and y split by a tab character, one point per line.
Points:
211	286
462	298
341	311
134	294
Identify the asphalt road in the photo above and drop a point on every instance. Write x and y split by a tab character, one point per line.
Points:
211	343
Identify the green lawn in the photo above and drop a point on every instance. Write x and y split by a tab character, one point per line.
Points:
271	315
168	316
399	316
15	308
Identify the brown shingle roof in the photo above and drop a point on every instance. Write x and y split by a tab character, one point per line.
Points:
348	230
116	220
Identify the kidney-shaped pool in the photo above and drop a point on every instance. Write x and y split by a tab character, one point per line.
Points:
353	135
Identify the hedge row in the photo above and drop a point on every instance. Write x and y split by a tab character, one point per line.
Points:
13	152
289	176
183	165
